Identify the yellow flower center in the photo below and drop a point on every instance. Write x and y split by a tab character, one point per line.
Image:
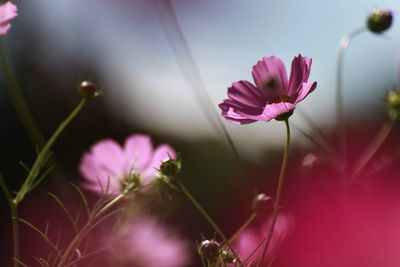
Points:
280	99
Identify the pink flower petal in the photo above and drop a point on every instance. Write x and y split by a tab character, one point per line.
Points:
110	156
247	94
8	11
138	152
230	114
96	175
267	68
304	90
274	110
300	71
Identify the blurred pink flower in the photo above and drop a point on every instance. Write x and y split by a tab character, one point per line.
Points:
107	160
247	244
8	11
149	244
273	95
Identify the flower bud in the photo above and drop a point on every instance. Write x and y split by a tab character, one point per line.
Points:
379	20
88	90
393	104
171	167
261	203
209	249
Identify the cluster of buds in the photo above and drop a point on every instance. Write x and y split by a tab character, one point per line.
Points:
212	251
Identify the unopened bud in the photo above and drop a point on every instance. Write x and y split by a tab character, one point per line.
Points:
171	167
393	104
209	249
379	20
88	90
261	203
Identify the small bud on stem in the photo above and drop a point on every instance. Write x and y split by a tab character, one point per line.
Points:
88	90
379	20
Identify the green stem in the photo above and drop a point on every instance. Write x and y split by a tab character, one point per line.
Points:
33	174
373	146
14	220
341	122
278	194
208	218
18	99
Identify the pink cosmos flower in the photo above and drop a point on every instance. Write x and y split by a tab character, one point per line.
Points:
273	95
8	11
149	244
247	244
107	162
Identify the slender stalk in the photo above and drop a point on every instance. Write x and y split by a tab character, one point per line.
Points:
189	69
340	118
208	218
88	226
373	146
18	99
241	228
15	232
278	194
14	220
33	174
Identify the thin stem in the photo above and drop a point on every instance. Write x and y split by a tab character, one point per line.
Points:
373	146
208	218
88	226
244	226
18	99
340	118
15	232
14	220
33	174
278	194
189	69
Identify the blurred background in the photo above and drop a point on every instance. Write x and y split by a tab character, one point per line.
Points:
133	52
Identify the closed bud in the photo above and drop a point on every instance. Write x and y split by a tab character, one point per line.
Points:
209	249
261	203
393	104
88	90
171	167
379	20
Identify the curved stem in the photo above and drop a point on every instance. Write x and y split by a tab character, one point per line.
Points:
340	118
18	99
189	69
208	218
373	146
33	174
278	194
